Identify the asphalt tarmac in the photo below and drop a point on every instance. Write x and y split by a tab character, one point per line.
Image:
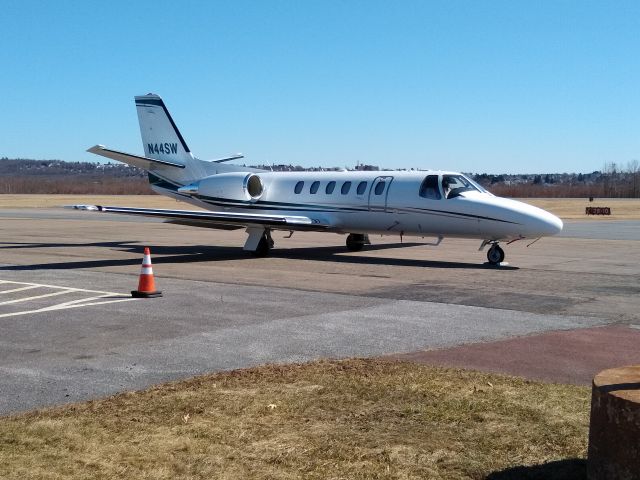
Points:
71	332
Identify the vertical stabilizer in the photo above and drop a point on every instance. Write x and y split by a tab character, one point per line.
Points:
160	135
163	141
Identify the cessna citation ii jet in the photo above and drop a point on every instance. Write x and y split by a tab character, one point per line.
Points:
356	203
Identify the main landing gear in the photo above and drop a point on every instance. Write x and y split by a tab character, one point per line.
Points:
259	242
264	245
495	255
355	241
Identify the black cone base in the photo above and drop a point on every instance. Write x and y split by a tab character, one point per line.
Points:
138	294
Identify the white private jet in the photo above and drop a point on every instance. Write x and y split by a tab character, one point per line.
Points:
357	203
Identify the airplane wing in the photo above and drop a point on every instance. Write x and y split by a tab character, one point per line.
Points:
221	220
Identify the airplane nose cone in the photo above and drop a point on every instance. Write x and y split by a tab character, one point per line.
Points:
556	225
548	224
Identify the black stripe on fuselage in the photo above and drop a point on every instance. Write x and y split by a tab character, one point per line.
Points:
166	184
480	217
266	205
273	205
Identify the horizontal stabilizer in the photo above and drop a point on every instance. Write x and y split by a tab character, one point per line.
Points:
137	161
212	219
228	159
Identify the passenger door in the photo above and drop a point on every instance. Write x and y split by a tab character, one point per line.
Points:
378	193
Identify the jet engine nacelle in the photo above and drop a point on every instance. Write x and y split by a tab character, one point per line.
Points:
231	186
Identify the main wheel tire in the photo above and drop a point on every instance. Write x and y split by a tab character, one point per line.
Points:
264	247
355	242
495	255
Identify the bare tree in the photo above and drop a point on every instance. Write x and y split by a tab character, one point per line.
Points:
633	168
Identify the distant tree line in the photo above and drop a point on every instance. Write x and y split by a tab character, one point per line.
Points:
23	176
612	182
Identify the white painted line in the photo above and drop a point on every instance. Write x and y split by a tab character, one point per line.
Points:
19	289
44	285
92	303
26	299
72	302
57	307
101	298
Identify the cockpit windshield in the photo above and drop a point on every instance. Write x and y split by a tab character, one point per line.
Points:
454	185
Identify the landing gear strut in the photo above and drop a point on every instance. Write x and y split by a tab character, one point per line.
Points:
495	255
264	245
355	241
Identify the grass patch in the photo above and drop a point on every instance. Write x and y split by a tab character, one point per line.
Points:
327	420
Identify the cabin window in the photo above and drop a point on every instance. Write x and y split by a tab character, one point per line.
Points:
330	188
380	188
346	186
429	188
298	188
362	186
314	187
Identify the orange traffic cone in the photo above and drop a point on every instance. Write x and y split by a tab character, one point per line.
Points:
146	284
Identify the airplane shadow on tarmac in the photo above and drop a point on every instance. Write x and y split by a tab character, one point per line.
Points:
209	253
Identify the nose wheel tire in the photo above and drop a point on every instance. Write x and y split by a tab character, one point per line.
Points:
495	255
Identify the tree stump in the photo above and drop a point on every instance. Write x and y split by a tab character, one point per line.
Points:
614	432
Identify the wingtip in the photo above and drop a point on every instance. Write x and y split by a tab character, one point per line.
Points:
83	207
96	148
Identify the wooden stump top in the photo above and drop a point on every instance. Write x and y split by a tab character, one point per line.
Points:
621	382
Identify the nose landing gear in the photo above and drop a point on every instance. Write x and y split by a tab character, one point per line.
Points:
495	255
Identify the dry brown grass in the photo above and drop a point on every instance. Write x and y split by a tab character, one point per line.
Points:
573	208
53	201
328	419
565	208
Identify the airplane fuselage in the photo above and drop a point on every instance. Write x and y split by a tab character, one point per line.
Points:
384	202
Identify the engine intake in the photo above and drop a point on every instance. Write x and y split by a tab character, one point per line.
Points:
253	185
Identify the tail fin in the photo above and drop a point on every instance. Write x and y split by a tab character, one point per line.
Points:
163	141
160	136
167	157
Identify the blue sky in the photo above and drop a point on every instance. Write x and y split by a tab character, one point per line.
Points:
479	86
